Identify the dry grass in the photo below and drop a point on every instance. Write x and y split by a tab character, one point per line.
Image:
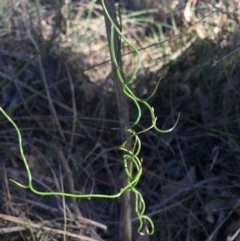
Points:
63	103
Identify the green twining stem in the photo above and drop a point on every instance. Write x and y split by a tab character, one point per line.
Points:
128	156
74	195
132	155
125	84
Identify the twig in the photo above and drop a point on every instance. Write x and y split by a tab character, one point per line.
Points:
74	110
122	112
29	224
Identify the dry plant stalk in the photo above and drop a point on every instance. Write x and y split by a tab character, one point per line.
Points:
122	113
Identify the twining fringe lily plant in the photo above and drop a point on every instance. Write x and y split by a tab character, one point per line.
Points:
134	171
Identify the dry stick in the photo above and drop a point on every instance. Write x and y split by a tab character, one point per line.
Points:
30	225
39	18
122	112
74	111
70	180
64	206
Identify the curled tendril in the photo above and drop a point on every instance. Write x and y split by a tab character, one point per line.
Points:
146	225
132	155
125	84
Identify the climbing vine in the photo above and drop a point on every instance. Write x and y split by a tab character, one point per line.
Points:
130	155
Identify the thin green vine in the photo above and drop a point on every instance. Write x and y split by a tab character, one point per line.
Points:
129	155
132	155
